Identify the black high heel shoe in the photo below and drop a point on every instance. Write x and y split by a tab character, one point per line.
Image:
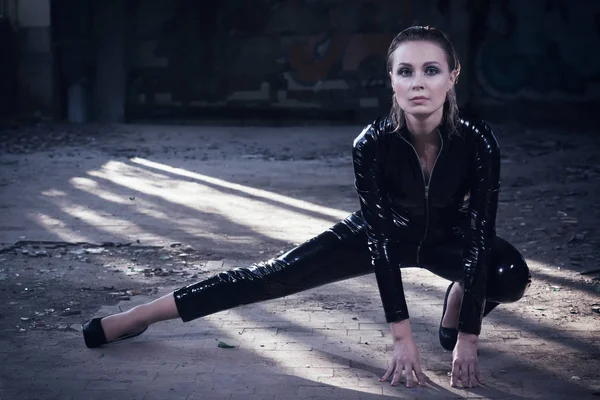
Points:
448	336
93	334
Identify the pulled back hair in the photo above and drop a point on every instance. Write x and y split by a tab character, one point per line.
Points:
433	35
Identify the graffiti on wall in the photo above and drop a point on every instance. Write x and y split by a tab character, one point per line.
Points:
353	63
346	57
541	50
294	53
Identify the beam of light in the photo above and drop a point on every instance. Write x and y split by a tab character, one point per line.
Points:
249	214
116	227
57	227
53	193
299	204
186	224
90	186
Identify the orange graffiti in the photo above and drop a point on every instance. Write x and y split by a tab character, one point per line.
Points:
351	50
305	67
364	46
313	59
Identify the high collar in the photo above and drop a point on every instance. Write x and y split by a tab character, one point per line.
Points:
407	135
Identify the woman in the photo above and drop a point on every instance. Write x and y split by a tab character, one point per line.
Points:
428	185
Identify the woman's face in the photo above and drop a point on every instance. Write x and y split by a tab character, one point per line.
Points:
421	78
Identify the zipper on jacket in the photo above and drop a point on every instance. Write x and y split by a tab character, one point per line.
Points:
426	185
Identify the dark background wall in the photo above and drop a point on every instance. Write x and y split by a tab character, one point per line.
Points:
327	56
539	54
117	61
8	69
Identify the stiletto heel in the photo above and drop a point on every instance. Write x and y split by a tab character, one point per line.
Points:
448	336
93	334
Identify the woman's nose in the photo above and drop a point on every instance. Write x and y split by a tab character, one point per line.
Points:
417	84
417	81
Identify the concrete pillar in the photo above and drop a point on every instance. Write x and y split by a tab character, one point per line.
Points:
8	10
110	78
9	59
36	64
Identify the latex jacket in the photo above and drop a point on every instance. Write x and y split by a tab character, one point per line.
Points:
404	212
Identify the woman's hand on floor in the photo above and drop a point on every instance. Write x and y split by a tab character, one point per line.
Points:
405	360
465	362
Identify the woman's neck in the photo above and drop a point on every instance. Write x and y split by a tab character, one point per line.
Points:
423	128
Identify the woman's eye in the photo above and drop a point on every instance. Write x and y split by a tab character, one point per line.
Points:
431	71
404	72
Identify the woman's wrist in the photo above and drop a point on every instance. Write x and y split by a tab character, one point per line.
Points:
401	330
469	337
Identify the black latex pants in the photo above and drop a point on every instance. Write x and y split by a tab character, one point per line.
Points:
341	253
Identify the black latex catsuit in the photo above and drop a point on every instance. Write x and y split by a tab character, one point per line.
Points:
446	225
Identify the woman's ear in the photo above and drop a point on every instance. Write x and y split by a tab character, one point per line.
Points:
453	78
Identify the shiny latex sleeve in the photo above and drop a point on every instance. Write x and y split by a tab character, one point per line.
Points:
482	211
368	170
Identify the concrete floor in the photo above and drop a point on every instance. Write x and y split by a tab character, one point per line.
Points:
246	194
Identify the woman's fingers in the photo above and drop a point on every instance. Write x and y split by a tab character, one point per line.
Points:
389	372
467	373
421	377
397	374
478	374
408	371
405	371
475	376
472	375
397	371
455	376
464	374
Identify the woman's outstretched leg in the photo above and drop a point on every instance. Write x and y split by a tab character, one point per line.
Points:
339	253
139	318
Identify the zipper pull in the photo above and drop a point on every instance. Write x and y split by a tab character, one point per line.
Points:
426	192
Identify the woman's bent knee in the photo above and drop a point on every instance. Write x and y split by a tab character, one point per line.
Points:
509	276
